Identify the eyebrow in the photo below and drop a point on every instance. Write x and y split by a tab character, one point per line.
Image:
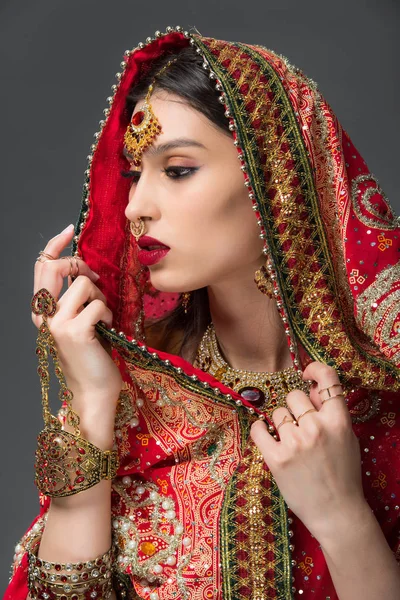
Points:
173	144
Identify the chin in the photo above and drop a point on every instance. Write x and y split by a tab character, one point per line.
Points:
160	283
164	282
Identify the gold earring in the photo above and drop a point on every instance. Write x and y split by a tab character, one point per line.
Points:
137	230
185	301
264	282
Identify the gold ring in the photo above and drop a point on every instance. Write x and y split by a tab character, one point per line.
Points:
49	256
332	397
305	412
43	254
69	258
285	419
75	275
73	266
328	389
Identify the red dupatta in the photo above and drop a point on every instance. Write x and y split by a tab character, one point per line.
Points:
192	496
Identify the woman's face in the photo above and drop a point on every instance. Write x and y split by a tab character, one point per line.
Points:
191	194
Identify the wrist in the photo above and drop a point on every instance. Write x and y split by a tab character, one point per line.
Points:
96	428
347	527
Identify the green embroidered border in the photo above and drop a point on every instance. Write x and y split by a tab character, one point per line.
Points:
227	541
248	146
231	580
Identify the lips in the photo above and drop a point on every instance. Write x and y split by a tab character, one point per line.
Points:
151	250
149	243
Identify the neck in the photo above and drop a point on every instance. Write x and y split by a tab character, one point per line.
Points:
249	330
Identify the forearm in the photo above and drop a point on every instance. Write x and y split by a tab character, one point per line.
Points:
360	562
78	527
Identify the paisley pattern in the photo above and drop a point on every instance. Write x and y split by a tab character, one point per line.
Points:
378	311
371	205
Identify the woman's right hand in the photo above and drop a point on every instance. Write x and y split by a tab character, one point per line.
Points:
85	358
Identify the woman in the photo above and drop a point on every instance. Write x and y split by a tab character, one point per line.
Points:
239	345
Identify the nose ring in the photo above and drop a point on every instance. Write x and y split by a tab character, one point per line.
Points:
137	230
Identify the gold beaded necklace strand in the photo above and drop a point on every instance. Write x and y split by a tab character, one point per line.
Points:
265	391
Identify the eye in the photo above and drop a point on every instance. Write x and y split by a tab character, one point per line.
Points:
134	175
179	172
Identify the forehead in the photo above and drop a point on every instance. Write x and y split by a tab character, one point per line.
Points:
172	110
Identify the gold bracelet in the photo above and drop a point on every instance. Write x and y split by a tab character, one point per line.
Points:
66	463
70	581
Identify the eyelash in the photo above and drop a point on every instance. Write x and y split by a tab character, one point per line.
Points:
179	173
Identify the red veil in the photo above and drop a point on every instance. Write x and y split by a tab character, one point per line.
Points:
190	485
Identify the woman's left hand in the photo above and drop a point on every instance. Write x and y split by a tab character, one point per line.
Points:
316	464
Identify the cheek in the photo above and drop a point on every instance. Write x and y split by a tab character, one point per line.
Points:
218	214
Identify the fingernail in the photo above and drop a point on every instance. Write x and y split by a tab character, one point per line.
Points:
96	274
67	228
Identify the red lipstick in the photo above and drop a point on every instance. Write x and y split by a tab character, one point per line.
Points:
152	250
146	241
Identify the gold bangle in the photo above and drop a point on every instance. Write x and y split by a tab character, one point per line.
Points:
74	581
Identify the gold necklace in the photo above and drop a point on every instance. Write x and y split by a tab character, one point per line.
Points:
265	391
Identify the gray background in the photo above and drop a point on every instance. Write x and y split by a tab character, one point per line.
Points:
59	58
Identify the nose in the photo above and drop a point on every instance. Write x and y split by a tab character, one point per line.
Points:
141	203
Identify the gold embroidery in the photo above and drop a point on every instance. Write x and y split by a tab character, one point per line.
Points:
380	481
389	419
200	438
211	444
307	565
150	535
255	540
366	408
125	418
378	309
256	545
362	204
384	242
355	277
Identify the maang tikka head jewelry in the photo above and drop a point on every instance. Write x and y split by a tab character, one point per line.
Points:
144	126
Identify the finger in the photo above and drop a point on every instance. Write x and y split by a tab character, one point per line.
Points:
55	246
328	385
298	402
52	278
82	291
93	313
264	441
53	273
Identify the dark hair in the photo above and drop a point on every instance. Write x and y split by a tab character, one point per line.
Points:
186	78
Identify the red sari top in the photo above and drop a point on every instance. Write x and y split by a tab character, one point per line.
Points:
192	493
